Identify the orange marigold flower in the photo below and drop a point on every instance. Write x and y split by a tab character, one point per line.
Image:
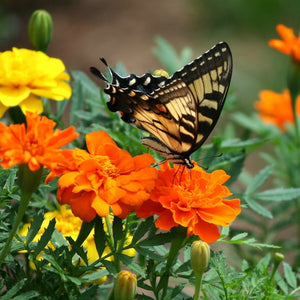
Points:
195	202
35	145
276	108
106	177
290	44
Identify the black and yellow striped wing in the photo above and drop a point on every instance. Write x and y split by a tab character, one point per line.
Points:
180	111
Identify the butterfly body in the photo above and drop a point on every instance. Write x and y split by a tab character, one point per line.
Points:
180	111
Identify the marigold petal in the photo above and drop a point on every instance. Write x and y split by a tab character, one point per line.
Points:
165	221
207	232
100	206
286	33
13	96
96	140
3	109
32	104
80	203
221	215
280	46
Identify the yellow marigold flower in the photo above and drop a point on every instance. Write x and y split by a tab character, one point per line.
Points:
69	225
27	75
290	44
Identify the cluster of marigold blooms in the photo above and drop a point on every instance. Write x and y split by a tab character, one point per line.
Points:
276	108
104	178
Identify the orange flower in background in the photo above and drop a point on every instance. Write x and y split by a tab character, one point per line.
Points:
290	44
106	177
26	76
35	145
276	108
195	202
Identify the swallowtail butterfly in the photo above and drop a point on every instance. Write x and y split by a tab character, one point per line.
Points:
180	111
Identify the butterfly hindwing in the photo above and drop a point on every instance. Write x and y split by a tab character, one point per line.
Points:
180	111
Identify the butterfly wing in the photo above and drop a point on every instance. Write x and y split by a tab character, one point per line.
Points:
180	111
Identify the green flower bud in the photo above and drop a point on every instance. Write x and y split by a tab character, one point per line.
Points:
125	286
40	30
28	180
200	255
161	72
278	257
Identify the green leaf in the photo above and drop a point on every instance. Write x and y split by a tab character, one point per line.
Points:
111	268
236	169
167	55
279	194
142	229
237	144
259	179
45	239
131	264
289	275
117	229
61	107
35	227
90	277
257	207
146	252
85	230
159	239
77	249
28	295
99	236
14	290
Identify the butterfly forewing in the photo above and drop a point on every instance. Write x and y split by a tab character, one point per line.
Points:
179	111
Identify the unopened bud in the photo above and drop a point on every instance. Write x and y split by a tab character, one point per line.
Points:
125	286
40	30
278	257
200	255
161	72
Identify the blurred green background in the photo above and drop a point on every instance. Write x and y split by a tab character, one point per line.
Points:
124	30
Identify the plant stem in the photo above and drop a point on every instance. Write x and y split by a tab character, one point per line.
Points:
198	287
176	244
21	211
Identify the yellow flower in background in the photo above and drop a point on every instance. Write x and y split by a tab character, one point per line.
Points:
69	225
27	75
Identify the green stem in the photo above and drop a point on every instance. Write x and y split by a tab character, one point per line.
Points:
298	225
176	244
198	286
21	211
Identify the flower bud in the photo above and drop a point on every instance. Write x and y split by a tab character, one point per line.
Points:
278	258
125	286
161	72
40	30
200	255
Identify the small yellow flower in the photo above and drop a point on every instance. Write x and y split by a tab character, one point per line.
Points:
27	75
69	225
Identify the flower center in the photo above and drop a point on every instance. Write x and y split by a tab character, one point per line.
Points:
107	168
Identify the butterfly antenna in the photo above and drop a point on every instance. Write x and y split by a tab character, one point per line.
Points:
97	73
